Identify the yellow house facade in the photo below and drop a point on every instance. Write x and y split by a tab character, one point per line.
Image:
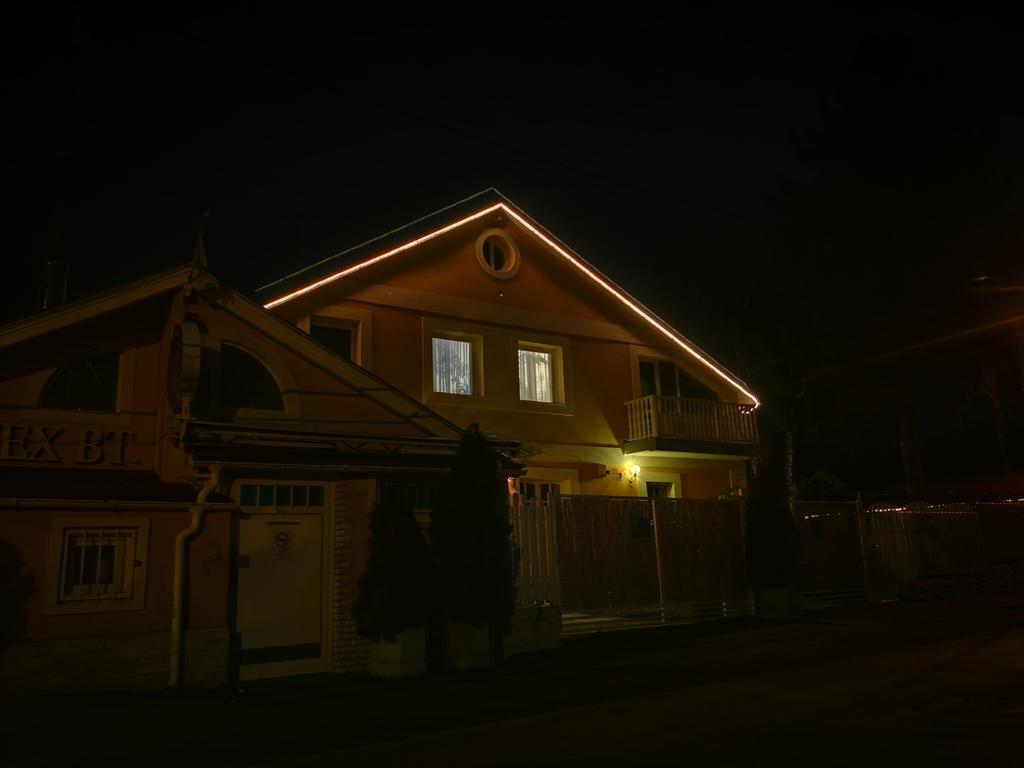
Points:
187	480
486	317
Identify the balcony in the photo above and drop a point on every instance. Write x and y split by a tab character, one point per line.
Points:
684	424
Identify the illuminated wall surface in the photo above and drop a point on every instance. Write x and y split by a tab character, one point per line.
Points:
434	288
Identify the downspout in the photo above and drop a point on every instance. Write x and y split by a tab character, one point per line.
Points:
176	678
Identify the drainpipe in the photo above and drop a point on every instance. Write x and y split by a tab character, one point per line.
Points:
176	677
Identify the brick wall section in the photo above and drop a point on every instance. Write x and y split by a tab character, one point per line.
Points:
112	663
349	652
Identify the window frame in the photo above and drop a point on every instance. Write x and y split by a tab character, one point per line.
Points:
249	411
510	251
359	320
352	326
644	355
123	398
557	371
476	342
275	508
57	601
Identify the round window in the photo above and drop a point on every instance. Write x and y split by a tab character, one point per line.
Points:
497	253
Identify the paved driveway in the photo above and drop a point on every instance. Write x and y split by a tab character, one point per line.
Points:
938	683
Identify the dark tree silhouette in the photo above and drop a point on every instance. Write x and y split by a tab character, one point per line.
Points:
15	589
397	590
471	538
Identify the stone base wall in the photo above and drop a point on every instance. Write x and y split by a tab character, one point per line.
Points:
534	629
113	663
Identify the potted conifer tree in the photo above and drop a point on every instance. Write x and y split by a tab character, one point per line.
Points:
393	604
470	532
773	545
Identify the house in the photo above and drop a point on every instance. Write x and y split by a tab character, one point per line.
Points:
188	480
487	317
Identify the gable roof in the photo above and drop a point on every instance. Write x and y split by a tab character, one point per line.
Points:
462	213
359	379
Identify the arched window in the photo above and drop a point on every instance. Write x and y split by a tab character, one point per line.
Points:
246	382
88	385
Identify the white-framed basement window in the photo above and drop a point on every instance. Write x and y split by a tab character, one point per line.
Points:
98	564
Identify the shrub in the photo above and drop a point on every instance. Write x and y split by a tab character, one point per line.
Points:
396	592
15	589
471	536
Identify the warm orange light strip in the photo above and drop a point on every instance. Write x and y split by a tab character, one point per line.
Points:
651	320
672	336
388	254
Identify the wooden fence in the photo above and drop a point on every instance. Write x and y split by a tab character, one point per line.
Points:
622	554
893	551
684	558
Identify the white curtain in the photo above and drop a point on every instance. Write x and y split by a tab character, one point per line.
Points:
535	376
453	366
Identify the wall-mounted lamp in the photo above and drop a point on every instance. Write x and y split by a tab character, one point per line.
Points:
630	473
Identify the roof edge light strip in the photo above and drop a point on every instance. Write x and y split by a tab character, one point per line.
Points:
380	257
624	299
665	330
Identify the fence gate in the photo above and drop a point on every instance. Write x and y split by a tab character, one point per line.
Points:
664	558
535	542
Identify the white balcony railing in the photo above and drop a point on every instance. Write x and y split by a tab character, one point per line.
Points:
688	418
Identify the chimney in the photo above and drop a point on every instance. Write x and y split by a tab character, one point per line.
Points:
55	283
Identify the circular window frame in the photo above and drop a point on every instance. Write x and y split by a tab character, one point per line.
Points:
513	260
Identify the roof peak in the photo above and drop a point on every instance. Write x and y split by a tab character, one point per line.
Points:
483	194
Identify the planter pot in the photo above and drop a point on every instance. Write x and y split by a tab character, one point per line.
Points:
784	603
467	646
405	657
537	628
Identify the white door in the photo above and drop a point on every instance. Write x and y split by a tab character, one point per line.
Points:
280	600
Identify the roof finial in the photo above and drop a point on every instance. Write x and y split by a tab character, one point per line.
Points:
199	252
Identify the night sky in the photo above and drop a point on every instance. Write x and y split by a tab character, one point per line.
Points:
821	189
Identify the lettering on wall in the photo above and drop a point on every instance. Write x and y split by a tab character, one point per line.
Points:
81	445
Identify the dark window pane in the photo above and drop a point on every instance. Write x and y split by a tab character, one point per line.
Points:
338	340
248	495
266	495
667	379
316	495
106	564
690	387
246	383
659	490
284	495
74	567
647	381
88	385
90	556
299	496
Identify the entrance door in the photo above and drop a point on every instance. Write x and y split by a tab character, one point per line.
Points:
280	601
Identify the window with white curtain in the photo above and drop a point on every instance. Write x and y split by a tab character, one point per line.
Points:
536	376
453	366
